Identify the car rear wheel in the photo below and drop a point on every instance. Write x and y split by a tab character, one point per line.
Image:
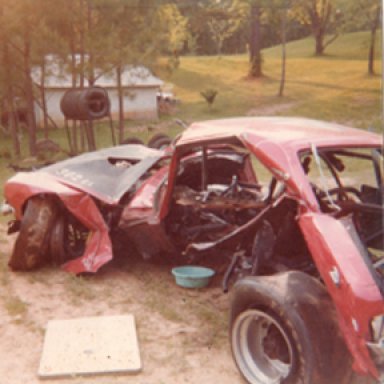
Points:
31	247
132	140
283	329
262	347
159	141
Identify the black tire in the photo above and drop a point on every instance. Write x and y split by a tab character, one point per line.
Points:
132	140
32	244
159	141
283	329
68	239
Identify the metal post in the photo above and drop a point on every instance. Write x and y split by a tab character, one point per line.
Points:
112	129
68	136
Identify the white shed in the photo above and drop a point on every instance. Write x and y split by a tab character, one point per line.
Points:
140	92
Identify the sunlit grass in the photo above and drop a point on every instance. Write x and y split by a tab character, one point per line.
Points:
335	87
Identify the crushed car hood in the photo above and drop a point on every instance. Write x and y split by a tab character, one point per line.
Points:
98	174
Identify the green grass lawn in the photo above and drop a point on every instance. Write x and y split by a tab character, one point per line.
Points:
334	87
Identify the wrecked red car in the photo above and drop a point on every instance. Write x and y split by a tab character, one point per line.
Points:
291	208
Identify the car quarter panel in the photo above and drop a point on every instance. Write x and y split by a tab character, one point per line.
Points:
349	282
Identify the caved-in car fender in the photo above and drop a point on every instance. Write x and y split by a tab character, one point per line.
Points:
349	280
77	182
98	251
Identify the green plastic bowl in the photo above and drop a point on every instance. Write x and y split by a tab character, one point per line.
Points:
192	276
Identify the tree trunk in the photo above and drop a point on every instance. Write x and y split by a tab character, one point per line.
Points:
31	119
283	50
43	99
82	71
91	78
74	145
13	125
371	54
320	15
319	49
91	65
9	97
255	58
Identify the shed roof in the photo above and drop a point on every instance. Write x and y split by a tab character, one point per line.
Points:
59	77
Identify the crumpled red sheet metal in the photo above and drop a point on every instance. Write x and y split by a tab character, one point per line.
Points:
356	293
98	250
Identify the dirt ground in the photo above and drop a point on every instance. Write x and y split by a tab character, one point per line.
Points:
183	334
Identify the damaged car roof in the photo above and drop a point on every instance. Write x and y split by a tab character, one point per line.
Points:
97	173
277	142
289	131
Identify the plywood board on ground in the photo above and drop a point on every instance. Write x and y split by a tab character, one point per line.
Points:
90	345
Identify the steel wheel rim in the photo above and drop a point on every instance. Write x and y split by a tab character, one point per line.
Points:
251	333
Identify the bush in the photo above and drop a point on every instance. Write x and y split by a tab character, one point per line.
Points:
209	95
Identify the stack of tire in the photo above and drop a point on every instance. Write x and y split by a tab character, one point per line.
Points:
85	104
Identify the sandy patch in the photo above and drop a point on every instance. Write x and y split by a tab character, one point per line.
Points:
182	333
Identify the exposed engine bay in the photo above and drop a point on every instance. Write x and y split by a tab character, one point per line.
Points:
231	214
